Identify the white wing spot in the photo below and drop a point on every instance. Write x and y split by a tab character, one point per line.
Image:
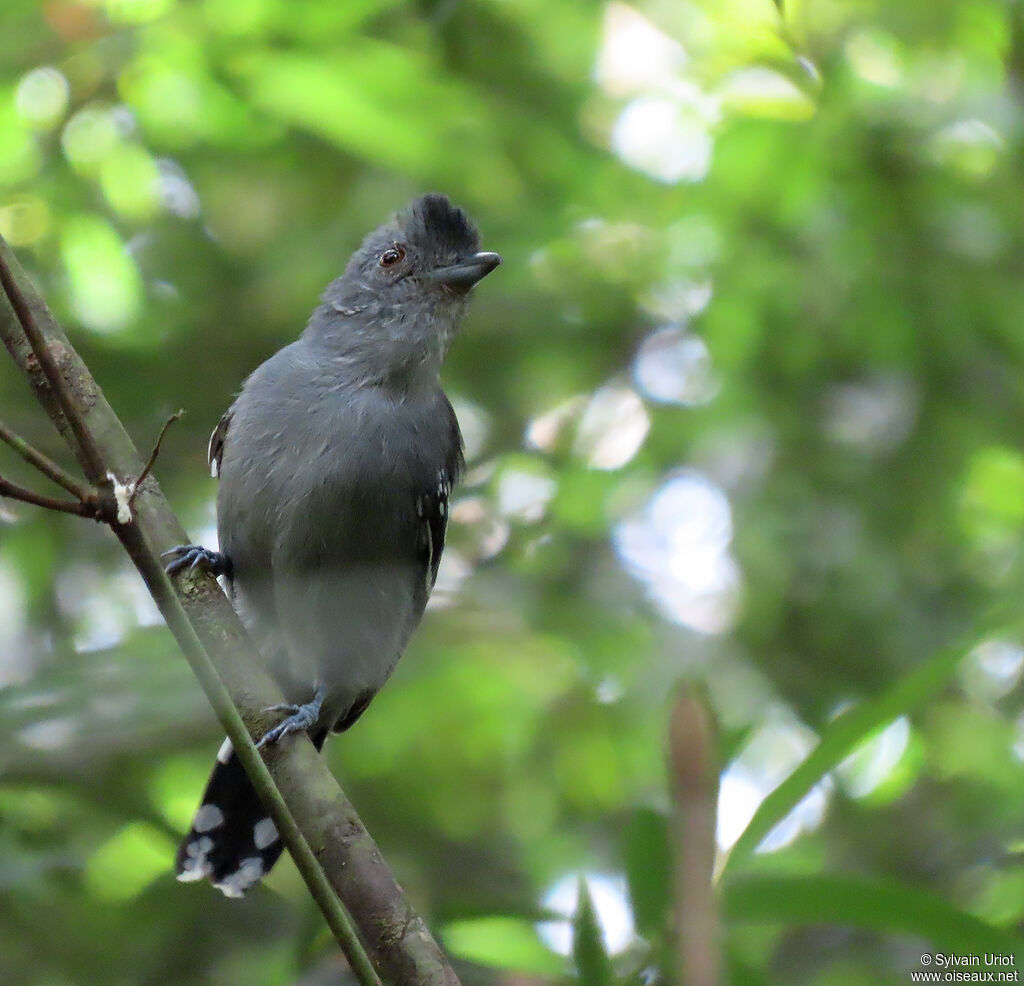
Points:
225	751
208	817
199	847
264	833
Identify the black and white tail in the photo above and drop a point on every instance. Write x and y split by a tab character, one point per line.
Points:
233	842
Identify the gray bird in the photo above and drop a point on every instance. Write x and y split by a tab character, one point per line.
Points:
336	462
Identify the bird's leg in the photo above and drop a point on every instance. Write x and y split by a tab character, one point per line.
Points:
192	556
301	717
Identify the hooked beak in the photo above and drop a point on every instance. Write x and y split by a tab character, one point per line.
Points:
464	275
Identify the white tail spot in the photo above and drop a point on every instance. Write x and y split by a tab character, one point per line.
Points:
264	833
248	872
196	865
208	817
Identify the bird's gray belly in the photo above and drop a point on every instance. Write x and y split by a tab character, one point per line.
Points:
349	622
342	627
333	605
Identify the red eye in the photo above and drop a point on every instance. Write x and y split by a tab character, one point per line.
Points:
392	255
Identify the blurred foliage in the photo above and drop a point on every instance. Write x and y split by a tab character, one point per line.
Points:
743	405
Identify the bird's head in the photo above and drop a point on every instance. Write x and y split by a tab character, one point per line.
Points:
404	290
431	243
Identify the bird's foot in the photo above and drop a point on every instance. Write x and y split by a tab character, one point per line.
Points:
193	556
300	718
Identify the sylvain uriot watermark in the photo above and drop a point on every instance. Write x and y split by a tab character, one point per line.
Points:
965	967
950	960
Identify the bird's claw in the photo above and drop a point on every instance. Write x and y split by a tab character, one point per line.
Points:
300	719
193	556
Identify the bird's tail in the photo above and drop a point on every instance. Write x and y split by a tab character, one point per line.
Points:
233	842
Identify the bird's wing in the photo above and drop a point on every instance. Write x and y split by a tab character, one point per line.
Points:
432	511
432	507
215	452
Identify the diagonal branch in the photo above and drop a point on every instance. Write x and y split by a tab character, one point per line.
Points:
216	645
89	453
44	464
80	507
334	912
163	593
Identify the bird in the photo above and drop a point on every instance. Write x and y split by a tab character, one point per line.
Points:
336	463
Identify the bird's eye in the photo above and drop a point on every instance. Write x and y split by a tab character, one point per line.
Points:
392	255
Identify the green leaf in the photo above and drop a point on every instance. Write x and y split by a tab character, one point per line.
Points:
593	966
648	865
503	942
877	905
844	735
127	862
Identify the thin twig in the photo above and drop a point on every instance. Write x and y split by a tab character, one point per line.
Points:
152	455
82	508
43	463
90	453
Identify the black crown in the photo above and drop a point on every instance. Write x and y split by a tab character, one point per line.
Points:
435	219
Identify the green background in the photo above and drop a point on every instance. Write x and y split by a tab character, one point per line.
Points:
743	408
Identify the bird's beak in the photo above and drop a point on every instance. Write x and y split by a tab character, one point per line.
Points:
464	275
